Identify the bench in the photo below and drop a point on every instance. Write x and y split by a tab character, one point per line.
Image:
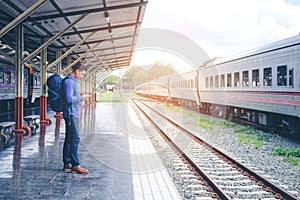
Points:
6	134
31	121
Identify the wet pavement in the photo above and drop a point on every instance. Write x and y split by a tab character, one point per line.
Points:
113	147
35	171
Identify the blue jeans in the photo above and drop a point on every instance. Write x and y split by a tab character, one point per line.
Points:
72	138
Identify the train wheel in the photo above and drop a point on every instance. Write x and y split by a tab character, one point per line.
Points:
219	111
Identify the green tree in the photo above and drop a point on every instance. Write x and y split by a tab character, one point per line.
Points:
137	75
158	69
112	80
134	76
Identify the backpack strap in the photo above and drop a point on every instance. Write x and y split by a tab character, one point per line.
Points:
67	115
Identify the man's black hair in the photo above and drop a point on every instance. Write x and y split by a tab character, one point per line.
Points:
76	66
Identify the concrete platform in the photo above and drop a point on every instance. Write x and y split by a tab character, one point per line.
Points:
115	149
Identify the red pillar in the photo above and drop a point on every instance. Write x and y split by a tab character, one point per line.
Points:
19	132
19	116
43	98
43	109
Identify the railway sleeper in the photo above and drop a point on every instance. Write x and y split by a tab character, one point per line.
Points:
242	188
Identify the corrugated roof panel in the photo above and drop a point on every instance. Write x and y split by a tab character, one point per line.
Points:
116	23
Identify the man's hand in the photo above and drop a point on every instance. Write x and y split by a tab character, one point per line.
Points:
85	96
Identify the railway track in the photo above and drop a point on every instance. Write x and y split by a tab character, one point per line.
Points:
203	170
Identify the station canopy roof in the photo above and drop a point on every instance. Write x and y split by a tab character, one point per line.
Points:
103	38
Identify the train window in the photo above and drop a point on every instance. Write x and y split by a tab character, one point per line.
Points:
25	78
229	80
211	82
222	80
236	79
255	78
8	77
281	75
217	81
245	79
291	77
1	76
13	78
206	82
268	76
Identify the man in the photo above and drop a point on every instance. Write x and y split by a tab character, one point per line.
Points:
71	113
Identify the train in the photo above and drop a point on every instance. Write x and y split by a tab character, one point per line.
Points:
32	84
260	86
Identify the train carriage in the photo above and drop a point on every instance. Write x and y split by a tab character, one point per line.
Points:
7	84
183	88
261	86
31	89
158	88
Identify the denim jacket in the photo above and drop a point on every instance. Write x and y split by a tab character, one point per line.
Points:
71	97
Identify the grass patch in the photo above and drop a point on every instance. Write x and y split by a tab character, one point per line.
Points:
290	155
204	122
111	97
249	135
173	108
226	123
246	139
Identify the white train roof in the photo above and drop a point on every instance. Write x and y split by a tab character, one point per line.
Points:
288	42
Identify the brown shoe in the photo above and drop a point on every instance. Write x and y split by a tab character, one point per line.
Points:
68	168
79	170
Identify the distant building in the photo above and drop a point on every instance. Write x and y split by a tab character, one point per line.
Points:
110	88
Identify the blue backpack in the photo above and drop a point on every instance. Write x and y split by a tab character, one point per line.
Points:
54	83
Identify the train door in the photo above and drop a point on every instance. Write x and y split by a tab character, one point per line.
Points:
291	77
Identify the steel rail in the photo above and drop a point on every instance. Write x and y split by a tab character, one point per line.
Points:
278	192
221	194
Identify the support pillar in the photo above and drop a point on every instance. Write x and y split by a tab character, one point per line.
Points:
19	131
43	98
58	115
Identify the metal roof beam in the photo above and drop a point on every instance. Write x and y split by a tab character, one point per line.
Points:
119	58
118	64
70	50
114	58
109	54
108	39
80	57
103	75
117	47
95	10
102	28
48	42
21	17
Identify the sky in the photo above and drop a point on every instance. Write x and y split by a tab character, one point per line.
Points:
221	27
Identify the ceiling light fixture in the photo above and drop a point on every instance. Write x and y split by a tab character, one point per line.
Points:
106	14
